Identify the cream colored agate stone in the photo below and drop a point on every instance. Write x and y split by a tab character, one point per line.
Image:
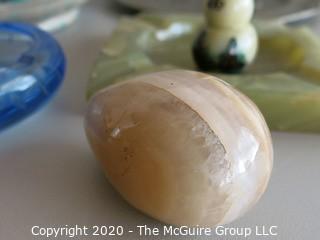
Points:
181	146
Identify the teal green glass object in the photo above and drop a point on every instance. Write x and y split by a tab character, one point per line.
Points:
284	81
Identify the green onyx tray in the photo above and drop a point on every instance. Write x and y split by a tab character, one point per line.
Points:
284	81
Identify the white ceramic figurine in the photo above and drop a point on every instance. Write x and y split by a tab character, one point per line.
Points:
229	42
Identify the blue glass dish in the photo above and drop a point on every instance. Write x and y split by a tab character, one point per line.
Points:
32	67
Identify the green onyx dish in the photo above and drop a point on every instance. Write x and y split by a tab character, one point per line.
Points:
284	81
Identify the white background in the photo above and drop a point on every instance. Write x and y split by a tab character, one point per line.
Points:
49	177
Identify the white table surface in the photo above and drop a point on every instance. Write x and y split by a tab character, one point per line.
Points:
49	177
